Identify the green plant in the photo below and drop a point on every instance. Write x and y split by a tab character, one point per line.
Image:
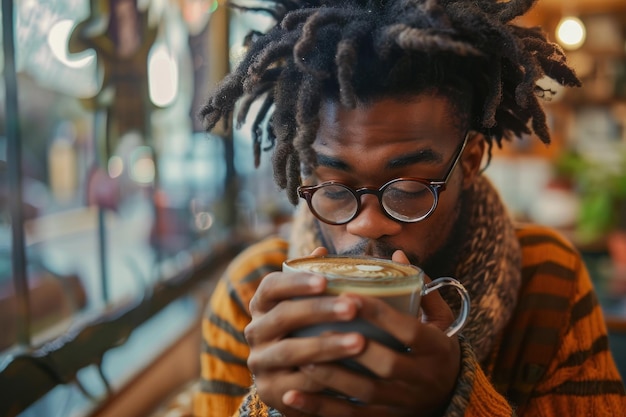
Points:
601	187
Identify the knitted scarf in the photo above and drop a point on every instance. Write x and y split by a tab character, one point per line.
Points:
489	267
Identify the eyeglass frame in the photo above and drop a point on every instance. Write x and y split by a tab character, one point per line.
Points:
436	187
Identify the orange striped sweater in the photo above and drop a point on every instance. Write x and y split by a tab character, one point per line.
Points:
553	359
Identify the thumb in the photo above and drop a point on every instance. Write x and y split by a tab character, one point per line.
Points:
319	251
435	310
400	257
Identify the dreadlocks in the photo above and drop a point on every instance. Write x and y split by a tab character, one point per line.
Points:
356	51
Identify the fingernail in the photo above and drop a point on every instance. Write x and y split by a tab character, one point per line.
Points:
350	340
355	300
291	398
341	307
315	282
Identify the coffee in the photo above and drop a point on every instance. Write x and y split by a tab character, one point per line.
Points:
398	284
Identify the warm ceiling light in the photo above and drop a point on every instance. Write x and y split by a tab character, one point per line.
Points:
571	32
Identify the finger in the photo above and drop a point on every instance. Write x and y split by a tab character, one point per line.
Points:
290	315
436	311
385	363
331	406
403	327
271	386
400	256
424	376
319	251
364	388
279	286
408	330
296	352
268	384
406	365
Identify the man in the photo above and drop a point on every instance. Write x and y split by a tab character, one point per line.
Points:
365	100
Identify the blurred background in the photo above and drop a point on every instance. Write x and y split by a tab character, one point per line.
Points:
118	212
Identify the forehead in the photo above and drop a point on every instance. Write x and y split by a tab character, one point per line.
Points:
427	119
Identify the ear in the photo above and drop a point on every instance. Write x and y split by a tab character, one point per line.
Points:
472	158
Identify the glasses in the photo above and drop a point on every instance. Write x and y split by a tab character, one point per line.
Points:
405	199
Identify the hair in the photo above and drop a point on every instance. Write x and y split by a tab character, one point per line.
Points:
356	51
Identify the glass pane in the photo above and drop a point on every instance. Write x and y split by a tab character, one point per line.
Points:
122	188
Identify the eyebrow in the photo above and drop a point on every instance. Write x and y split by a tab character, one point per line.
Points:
419	157
422	156
332	162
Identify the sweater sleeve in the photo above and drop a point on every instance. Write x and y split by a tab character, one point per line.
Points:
474	395
580	380
583	379
225	378
224	374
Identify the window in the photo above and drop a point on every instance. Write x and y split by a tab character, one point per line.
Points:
125	201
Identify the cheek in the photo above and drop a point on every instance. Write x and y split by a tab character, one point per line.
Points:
438	227
448	204
422	241
335	237
432	234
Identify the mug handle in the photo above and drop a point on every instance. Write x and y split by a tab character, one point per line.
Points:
459	322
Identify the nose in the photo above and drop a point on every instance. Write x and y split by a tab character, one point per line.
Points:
372	222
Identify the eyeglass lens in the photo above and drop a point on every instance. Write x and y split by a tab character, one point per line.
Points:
404	200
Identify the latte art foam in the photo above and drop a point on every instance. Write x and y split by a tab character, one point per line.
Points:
397	284
359	268
362	275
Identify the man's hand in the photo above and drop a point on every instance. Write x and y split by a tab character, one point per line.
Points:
294	375
283	303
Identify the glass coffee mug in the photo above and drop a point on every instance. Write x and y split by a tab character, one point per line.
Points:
401	286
